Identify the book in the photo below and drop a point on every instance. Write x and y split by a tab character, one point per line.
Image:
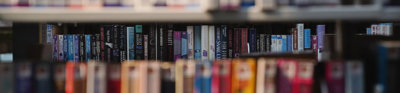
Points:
160	42
295	40
131	42
253	40
170	44
218	47
177	45
96	77
204	42
266	75
284	43
115	57
7	78
114	3
55	48
314	42
43	82
237	43
230	43
76	48
289	43
185	71
146	47
300	37
197	42
224	41
354	78
320	36
243	75
153	77
167	77
132	77
88	50
268	43
113	77
70	48
247	3
262	43
225	75
334	76
273	43
76	77
59	76
190	39
278	46
93	47
82	48
307	38
215	77
160	3
102	44
286	74
184	45
24	78
60	48
303	81
152	43
123	43
211	42
139	50
244	41
108	43
202	82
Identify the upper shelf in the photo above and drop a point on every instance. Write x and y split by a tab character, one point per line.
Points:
186	15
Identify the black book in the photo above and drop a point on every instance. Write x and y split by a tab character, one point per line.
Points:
230	43
93	47
139	54
123	43
107	43
224	41
115	42
152	43
160	41
97	47
82	56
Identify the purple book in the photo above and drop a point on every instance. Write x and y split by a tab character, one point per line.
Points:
55	47
177	45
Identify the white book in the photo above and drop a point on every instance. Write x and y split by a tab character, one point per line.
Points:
93	4
374	29
389	29
143	5
266	76
354	77
279	43
273	43
190	41
266	4
60	48
381	28
211	42
204	42
300	36
96	79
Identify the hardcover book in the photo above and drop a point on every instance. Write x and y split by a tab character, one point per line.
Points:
354	77
204	42
266	75
225	76
224	41
303	81
43	82
184	45
211	42
244	38
113	77
7	78
177	45
23	78
197	42
130	77
243	75
167	77
307	38
300	37
88	48
131	42
60	48
202	83
153	77
286	73
96	78
218	47
334	76
253	40
139	50
190	39
185	71
59	77
230	43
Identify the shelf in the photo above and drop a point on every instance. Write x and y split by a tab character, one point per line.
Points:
186	15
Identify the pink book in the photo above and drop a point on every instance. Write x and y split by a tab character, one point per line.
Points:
286	74
215	82
303	80
334	76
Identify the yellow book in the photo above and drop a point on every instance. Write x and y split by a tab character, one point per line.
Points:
244	75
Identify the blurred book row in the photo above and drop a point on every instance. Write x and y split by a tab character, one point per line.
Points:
188	4
244	75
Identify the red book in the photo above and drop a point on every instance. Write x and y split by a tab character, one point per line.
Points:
314	42
76	77
69	74
236	42
244	40
225	77
215	81
286	74
334	76
303	80
114	78
295	37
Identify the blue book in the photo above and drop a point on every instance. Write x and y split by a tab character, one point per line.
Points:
289	43
253	40
247	3
284	43
184	44
87	45
202	81
307	38
70	48
65	47
320	34
218	51
55	47
23	79
131	42
197	42
368	31
42	78
76	48
274	43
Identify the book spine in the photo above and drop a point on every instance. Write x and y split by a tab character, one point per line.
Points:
300	36
98	47
368	31
215	77
230	43
131	42
211	42
92	45
42	81
59	77
153	77
65	47
218	50
181	68
279	43
283	79
321	35
289	43
244	49
303	80
190	38
146	47
88	48
261	44
354	77
160	42
307	38
184	45
284	43
168	79
23	78
295	40
253	40
268	43
226	77
123	43
70	48
236	42
177	45
82	56
273	43
374	29
102	48
250	74
60	48
334	77
113	78
170	44
314	42
55	47
152	43
49	34
203	77
204	42
197	42
69	77
115	38
108	44
224	42
139	43
258	49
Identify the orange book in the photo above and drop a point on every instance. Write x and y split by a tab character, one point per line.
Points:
244	75
134	77
185	71
76	77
